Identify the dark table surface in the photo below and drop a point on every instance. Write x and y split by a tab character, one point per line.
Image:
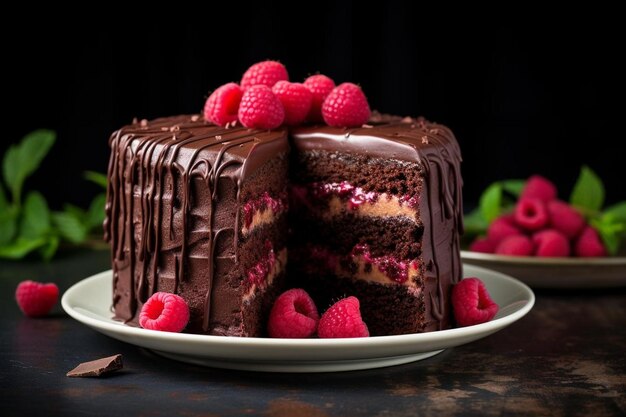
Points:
567	357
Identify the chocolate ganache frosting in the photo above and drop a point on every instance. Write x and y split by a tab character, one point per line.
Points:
177	184
173	208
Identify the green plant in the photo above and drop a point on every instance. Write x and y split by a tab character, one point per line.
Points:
587	196
26	223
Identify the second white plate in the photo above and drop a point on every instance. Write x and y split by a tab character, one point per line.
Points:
563	273
89	302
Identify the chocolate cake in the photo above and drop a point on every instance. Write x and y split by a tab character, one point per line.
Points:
203	211
376	213
200	211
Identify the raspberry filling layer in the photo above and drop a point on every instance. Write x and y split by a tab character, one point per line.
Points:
262	210
361	264
330	199
265	270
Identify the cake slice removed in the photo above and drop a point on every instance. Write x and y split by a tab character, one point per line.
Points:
376	212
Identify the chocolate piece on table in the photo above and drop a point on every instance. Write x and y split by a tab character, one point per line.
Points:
97	367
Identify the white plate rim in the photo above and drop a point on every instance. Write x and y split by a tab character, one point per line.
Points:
240	353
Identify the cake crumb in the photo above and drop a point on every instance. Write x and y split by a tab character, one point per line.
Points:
407	119
195	118
218	137
143	123
425	139
366	126
434	131
175	128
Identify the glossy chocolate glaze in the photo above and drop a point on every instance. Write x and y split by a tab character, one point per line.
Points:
175	193
173	208
434	149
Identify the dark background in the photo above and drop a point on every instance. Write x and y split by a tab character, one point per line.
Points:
542	95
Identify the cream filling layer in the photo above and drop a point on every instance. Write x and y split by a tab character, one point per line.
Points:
259	218
385	206
279	265
374	274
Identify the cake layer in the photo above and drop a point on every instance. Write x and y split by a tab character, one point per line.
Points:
328	200
359	263
256	313
395	177
254	246
262	210
387	310
396	236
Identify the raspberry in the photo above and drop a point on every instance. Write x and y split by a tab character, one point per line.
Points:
343	319
518	245
36	299
320	87
260	108
565	218
483	245
471	302
264	73
164	311
589	244
222	106
531	214
550	243
502	227
293	315
296	100
346	106
539	187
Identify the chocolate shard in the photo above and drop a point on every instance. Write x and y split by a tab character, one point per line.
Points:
97	367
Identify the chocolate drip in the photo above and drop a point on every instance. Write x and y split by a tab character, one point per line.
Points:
157	170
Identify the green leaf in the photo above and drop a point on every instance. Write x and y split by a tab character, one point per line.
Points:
474	223
491	201
21	247
21	160
588	193
69	227
76	211
611	242
609	232
35	216
617	211
8	224
95	214
12	172
97	178
3	199
513	187
48	250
